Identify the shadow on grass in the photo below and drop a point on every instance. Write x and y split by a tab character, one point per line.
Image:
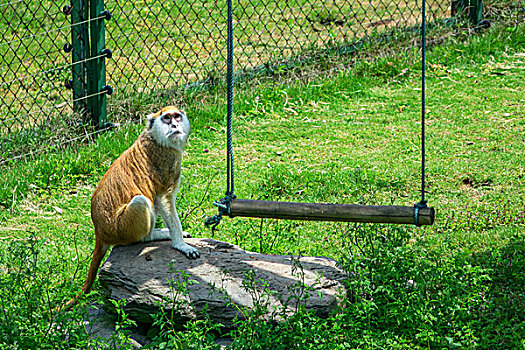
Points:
500	309
452	300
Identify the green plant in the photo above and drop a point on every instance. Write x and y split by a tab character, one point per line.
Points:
121	339
27	296
194	334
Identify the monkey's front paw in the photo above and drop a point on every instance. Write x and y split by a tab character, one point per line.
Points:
188	250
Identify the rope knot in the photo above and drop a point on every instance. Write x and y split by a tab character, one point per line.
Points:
224	209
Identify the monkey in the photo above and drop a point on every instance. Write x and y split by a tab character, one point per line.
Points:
137	187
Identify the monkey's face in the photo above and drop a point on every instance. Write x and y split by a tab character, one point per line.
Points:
170	127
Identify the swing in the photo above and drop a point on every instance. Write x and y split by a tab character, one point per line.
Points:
419	214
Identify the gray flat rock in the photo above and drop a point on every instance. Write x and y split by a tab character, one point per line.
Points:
226	281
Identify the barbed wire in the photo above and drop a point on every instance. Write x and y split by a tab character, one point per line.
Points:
43	54
55	69
45	148
88	96
56	14
39	111
46	33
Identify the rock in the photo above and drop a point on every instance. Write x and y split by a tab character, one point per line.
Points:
225	281
101	325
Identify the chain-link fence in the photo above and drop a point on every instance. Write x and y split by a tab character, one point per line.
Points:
165	43
157	45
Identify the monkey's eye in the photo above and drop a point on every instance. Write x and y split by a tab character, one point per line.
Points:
166	118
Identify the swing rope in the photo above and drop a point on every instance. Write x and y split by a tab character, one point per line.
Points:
229	80
423	202
224	203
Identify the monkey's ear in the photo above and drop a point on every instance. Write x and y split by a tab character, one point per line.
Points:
151	119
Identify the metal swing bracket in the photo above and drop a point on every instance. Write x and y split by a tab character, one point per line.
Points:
417	210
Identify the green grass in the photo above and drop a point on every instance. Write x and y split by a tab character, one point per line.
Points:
349	138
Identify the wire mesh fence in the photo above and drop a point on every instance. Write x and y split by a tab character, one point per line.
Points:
159	45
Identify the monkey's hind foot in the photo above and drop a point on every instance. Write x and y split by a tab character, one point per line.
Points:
188	250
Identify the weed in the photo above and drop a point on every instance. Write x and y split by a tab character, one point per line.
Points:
121	339
27	297
195	334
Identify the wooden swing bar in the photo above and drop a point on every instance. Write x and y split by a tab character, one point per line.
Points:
386	214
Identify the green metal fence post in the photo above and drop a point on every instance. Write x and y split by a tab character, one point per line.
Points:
456	8
476	11
471	9
96	68
80	44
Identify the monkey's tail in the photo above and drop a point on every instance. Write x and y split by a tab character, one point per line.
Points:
98	254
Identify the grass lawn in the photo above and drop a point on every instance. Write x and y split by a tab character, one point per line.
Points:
350	137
